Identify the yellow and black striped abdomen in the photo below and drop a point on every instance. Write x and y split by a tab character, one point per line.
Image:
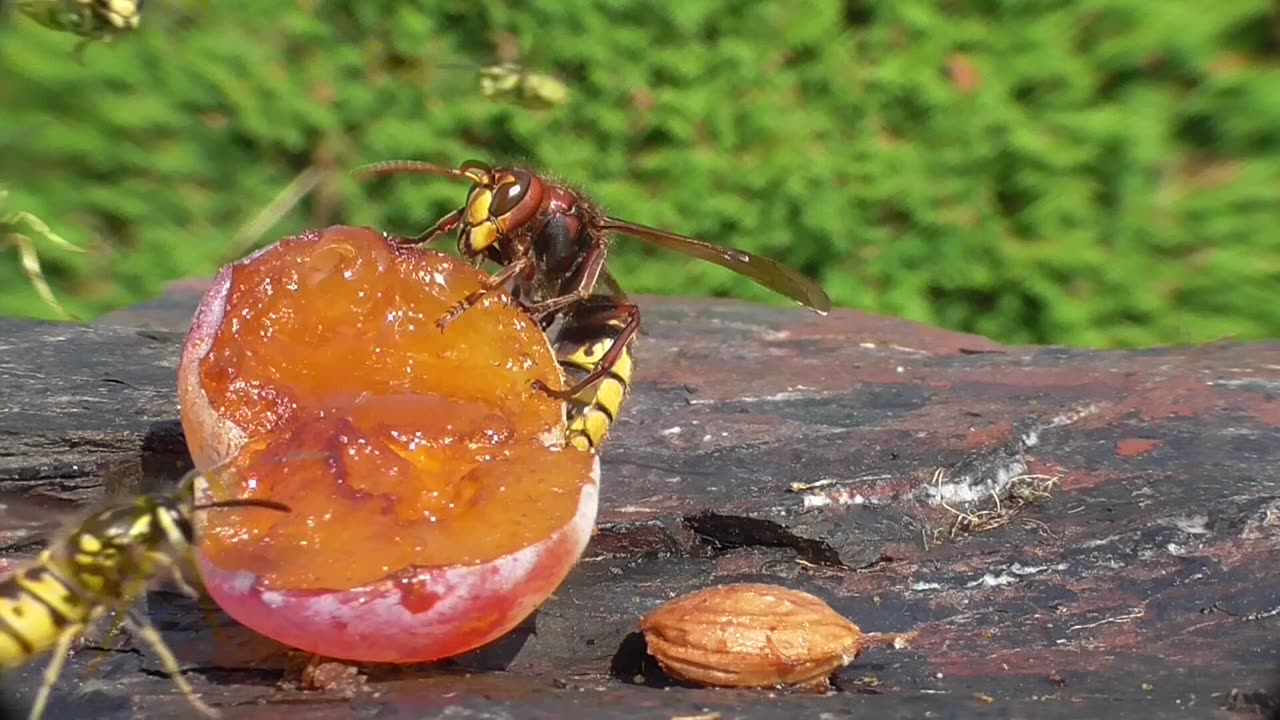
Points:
37	606
592	412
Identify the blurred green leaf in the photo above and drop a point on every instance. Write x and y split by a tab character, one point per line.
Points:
1098	172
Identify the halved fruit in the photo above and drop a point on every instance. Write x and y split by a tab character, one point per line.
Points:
433	503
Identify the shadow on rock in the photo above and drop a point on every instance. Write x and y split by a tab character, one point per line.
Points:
633	664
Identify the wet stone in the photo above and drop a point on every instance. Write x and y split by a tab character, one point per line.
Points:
1073	533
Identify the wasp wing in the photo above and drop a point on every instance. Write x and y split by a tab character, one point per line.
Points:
614	286
769	273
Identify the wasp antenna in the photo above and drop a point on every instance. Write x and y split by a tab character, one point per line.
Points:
245	502
394	167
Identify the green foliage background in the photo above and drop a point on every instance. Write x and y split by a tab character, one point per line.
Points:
1091	172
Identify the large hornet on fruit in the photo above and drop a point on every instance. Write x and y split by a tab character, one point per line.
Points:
551	243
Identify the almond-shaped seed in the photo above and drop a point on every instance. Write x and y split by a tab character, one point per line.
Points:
754	635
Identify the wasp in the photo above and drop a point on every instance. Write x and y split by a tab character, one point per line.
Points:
517	83
88	19
514	82
551	242
594	346
534	90
104	565
11	232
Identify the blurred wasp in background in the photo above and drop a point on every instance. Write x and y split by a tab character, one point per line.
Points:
515	83
105	564
527	87
92	20
12	224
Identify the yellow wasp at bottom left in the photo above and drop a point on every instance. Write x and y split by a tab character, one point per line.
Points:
104	564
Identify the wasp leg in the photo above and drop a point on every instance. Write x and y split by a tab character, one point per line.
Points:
78	51
116	626
607	361
53	670
492	283
175	574
208	607
546	308
446	224
163	562
592	266
147	632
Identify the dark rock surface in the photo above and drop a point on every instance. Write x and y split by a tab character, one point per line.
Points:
1074	534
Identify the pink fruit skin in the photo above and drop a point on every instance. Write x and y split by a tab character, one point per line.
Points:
417	614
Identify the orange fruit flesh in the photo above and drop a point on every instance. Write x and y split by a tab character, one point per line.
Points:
395	444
